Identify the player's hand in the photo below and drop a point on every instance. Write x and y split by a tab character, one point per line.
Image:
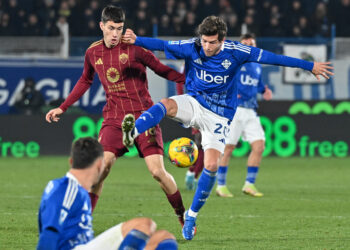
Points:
322	69
53	115
129	37
267	94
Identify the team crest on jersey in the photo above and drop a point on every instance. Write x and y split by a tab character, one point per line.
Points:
123	58
112	74
198	61
226	64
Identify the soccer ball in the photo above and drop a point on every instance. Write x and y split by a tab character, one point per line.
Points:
183	152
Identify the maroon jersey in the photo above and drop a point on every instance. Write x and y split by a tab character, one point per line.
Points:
122	72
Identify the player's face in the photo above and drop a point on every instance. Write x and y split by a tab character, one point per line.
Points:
211	44
249	42
112	33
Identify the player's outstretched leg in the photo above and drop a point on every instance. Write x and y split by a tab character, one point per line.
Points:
147	120
206	183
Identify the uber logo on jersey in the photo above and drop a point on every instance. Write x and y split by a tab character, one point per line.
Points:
247	80
205	76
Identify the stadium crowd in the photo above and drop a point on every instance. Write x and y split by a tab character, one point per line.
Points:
269	18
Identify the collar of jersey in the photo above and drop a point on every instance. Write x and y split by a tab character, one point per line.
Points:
69	175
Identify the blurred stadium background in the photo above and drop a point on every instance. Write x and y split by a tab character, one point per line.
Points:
44	41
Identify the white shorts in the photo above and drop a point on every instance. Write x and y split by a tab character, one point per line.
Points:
214	128
108	240
245	123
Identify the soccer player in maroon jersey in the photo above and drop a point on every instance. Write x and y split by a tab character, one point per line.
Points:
122	71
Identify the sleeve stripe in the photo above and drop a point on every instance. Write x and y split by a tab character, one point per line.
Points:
248	52
260	54
70	195
187	41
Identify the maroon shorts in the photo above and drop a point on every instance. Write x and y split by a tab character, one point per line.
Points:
148	143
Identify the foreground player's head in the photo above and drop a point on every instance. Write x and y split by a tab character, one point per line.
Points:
248	39
87	154
112	24
212	32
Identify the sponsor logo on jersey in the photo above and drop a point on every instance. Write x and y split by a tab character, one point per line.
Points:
123	58
198	61
248	80
226	64
112	74
243	69
99	62
209	78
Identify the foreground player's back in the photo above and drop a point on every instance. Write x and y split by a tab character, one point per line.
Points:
65	208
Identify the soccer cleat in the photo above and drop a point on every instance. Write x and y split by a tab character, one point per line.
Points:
223	191
128	124
250	189
189	229
180	216
190	181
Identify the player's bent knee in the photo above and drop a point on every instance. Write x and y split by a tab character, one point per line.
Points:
158	174
164	235
143	224
258	147
170	105
212	166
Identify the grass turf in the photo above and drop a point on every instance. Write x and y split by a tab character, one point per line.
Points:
306	203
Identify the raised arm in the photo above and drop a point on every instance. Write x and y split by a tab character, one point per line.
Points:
145	42
266	57
172	49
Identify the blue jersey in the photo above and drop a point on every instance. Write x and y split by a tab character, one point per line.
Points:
249	83
210	80
65	207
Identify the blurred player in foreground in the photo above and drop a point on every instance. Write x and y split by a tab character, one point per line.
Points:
211	63
246	122
65	220
122	71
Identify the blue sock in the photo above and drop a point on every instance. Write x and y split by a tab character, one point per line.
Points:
222	172
168	244
252	172
205	184
135	239
150	117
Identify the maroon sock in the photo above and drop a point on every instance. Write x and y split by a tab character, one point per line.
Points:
175	201
198	166
93	199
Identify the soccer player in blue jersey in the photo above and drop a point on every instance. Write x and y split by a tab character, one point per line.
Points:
246	122
211	63
65	220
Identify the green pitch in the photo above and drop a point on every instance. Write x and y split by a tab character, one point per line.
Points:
306	203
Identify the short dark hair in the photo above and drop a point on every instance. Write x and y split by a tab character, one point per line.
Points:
85	151
211	26
247	36
112	13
